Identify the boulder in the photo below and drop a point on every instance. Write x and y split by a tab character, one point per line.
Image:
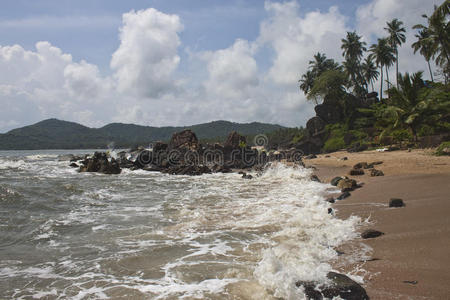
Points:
234	140
329	113
315	126
101	163
74	165
371	233
375	172
356	172
347	184
361	165
184	140
159	147
336	180
341	286
315	178
396	202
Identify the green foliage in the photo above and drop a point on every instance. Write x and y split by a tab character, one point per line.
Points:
242	144
425	130
401	135
442	146
285	137
330	83
334	144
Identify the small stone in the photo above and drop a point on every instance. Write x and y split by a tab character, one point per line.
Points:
371	233
376	172
396	202
343	196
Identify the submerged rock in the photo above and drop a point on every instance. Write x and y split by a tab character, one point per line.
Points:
341	286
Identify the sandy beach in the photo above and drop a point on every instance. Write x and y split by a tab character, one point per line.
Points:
412	259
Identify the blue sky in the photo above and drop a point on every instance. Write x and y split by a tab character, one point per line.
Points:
236	60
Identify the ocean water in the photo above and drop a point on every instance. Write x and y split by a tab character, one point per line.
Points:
146	235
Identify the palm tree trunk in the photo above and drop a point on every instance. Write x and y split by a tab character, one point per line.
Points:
429	68
371	82
381	84
387	77
396	66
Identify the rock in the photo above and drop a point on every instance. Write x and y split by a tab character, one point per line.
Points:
360	165
341	286
315	126
247	176
99	162
159	147
344	158
77	158
358	147
311	156
330	200
329	113
343	196
221	169
371	233
184	140
347	184
74	165
396	202
315	178
356	172
330	210
375	172
234	140
376	163
187	170
336	180
372	95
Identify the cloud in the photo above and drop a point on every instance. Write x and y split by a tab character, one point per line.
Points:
147	56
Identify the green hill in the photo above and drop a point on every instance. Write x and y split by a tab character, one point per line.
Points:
57	134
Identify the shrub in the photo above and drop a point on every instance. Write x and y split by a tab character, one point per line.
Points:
334	144
441	149
401	135
425	130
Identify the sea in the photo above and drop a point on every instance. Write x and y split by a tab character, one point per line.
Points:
147	235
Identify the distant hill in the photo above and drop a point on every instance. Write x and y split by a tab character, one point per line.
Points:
57	134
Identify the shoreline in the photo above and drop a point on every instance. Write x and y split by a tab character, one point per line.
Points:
410	261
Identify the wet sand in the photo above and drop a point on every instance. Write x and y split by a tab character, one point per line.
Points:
416	244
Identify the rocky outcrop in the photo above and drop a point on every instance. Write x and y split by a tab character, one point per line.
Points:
184	140
341	286
234	141
187	170
315	126
330	113
102	163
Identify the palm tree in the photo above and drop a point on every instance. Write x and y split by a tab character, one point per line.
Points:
438	31
424	46
396	38
370	71
321	64
353	49
307	81
383	54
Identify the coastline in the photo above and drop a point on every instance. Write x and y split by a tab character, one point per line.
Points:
410	261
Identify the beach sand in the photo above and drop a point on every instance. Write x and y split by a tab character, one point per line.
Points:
416	243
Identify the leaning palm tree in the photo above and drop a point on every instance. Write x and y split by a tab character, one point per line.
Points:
424	46
321	64
396	38
383	54
307	81
370	71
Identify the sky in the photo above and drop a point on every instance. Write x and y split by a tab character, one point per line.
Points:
178	62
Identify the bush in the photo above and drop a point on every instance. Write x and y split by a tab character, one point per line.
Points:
401	135
334	144
441	150
425	130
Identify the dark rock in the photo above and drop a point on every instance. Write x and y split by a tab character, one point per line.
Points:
184	140
396	202
360	165
311	156
341	286
372	95
329	113
375	172
413	282
358	147
356	172
99	162
336	180
221	169
247	176
376	163
343	196
74	165
344	158
330	210
187	170
159	147
371	233
315	126
77	158
331	200
315	178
